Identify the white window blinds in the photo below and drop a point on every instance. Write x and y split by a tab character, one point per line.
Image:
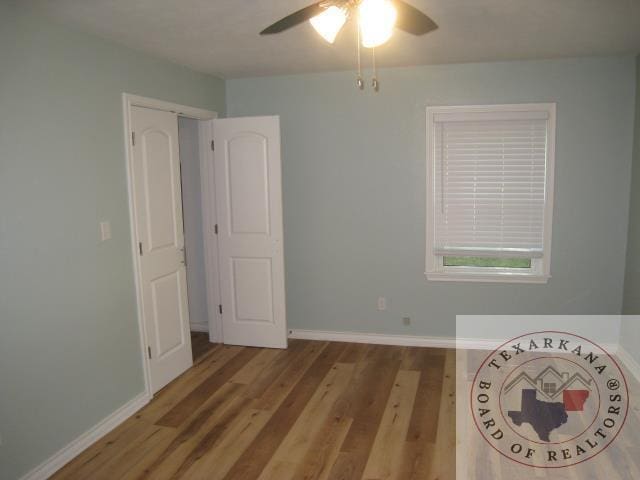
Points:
489	174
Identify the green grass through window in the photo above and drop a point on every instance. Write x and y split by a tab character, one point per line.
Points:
487	262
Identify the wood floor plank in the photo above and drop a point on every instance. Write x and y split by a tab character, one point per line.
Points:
423	427
424	419
104	450
323	452
211	420
283	470
445	446
370	393
153	442
184	409
177	390
386	453
259	452
255	366
271	397
297	352
311	419
354	352
206	427
213	463
200	345
212	458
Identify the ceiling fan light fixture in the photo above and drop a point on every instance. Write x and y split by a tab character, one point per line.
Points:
377	19
329	23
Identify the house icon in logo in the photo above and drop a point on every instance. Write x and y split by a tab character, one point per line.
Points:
546	399
550	384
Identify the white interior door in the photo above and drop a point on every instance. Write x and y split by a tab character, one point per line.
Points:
248	189
158	212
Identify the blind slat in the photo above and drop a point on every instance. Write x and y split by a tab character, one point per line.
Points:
489	184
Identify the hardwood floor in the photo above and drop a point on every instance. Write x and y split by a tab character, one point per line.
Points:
200	344
318	410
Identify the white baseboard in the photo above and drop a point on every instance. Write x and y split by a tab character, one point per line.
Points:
95	433
374	338
400	340
628	361
411	340
199	327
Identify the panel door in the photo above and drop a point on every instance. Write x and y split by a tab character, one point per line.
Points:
249	212
158	212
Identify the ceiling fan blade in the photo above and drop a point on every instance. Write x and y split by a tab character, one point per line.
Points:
412	20
294	19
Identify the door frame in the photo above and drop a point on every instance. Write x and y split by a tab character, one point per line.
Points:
209	224
205	130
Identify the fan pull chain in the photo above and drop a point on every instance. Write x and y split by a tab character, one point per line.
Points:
359	81
374	81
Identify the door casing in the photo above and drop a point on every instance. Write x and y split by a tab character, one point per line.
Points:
206	156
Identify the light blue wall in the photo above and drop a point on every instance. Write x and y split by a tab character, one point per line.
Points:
630	335
354	190
69	347
632	281
192	220
630	338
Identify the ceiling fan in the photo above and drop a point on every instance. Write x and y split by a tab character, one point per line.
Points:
376	20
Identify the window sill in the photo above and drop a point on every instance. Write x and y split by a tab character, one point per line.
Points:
486	278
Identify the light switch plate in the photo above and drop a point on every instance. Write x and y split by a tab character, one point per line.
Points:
105	230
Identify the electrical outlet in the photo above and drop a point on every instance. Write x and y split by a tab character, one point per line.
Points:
382	303
406	321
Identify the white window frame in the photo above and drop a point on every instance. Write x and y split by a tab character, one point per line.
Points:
540	270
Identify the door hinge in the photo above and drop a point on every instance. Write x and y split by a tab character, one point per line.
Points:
213	145
220	309
140	247
215	228
133	138
149	350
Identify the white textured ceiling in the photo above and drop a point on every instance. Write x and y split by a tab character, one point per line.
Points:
221	36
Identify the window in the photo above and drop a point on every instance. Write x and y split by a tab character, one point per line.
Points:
490	192
549	388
